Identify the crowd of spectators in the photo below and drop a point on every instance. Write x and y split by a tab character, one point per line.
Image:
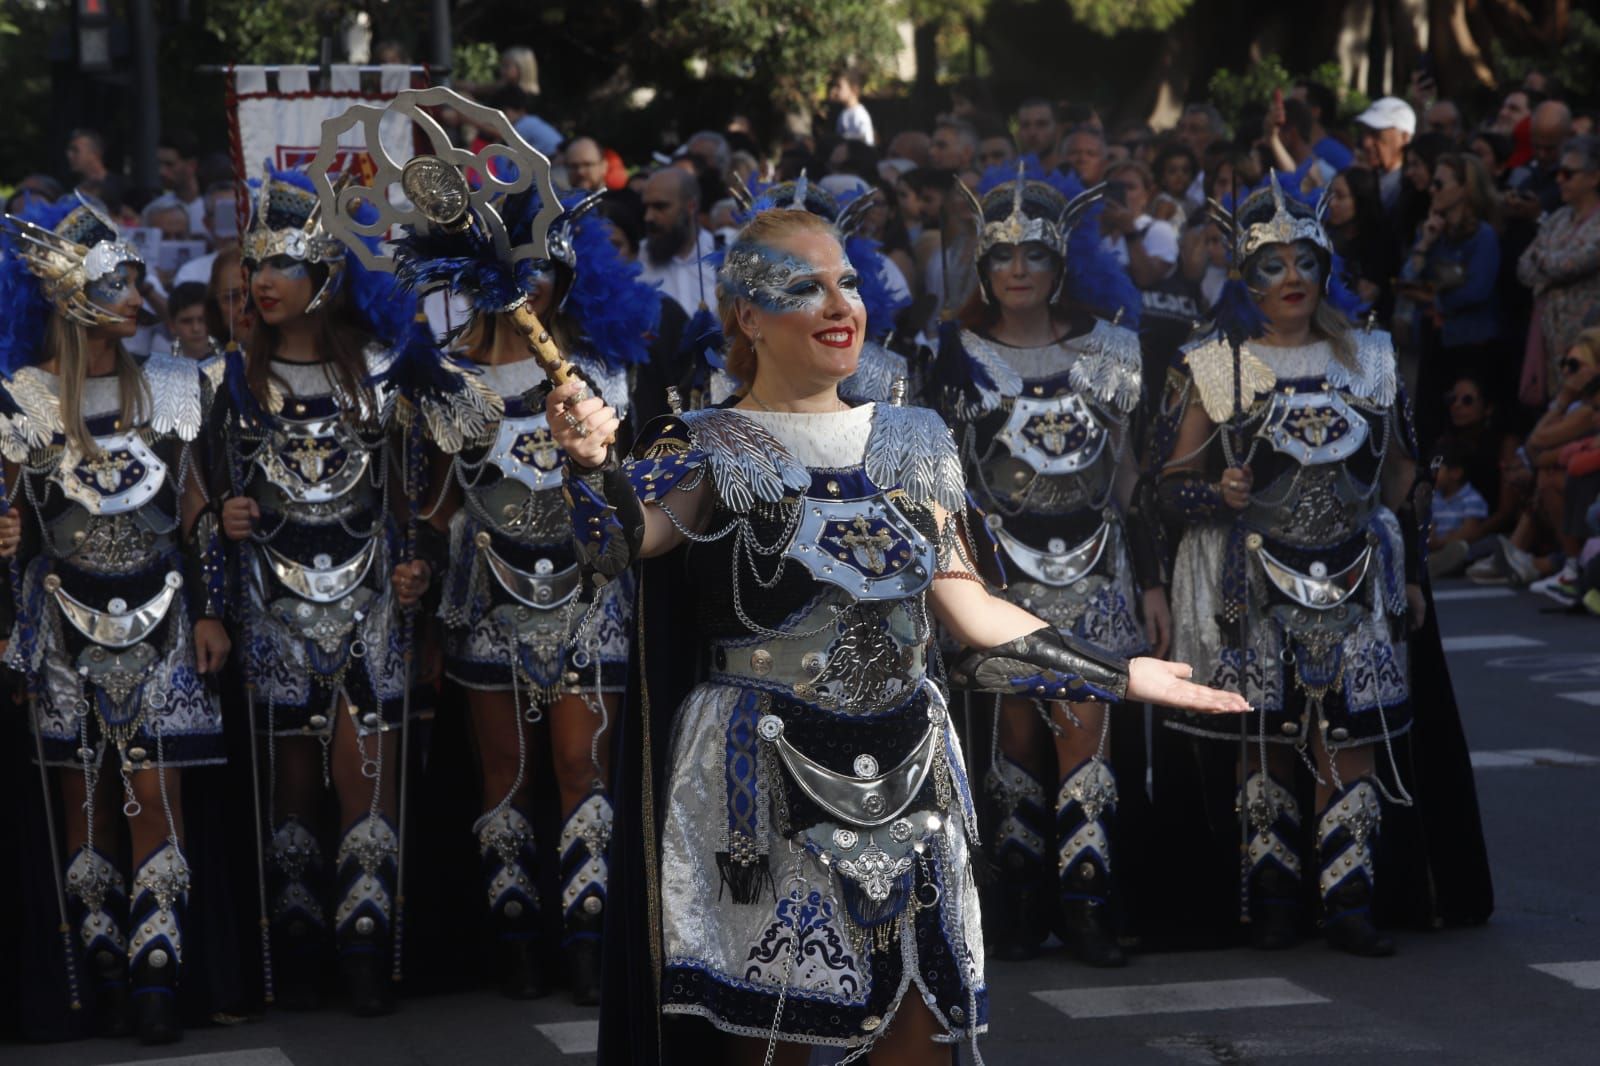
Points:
1474	237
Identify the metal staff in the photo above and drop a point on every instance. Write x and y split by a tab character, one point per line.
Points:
408	655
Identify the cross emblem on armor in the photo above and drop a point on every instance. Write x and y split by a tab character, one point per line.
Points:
108	469
1313	424
870	548
1053	431
537	449
310	456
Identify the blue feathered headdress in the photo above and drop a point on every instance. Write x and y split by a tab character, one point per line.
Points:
1094	277
615	311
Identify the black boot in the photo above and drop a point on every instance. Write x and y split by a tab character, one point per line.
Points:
1084	864
155	948
1274	886
299	929
1020	901
1345	832
97	900
585	838
363	923
506	846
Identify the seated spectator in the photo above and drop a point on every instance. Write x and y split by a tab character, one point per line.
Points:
1147	246
1562	267
1452	274
186	322
1175	169
1460	513
1549	531
1493	454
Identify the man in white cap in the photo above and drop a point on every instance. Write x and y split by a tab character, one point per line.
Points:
1384	129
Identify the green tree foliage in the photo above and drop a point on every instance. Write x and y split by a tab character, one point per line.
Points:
1110	17
476	63
791	45
1576	64
1234	94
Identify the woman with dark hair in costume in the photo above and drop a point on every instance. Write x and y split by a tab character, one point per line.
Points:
806	857
1039	393
314	485
118	575
520	636
1299	576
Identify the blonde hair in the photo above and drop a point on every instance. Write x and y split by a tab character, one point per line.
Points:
767	229
1589	341
67	343
527	67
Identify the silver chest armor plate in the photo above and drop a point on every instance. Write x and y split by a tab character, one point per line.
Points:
1314	427
865	546
524	451
313	462
1056	435
124	477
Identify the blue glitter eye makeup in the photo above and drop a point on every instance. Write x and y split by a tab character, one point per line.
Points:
286	266
113	288
782	282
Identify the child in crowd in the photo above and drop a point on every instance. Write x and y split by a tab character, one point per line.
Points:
186	321
1459	511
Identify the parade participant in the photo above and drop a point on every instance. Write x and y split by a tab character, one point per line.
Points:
315	482
1291	470
512	603
808	853
117	569
1039	394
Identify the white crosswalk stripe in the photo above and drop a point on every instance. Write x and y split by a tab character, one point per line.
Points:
1489	593
1490	642
1522	758
1208	1049
1590	699
266	1056
572	1038
1582	975
1178	998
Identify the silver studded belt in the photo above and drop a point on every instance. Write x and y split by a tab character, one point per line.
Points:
116	626
799	665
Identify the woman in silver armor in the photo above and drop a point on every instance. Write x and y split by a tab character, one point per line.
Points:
1298	568
808	862
520	634
1045	443
118	576
316	483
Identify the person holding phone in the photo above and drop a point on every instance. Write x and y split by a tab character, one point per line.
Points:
1144	246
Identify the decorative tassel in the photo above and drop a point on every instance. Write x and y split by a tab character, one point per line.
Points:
746	879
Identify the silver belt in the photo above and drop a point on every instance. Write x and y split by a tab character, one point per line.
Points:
867	798
797	664
323	581
116	626
543	592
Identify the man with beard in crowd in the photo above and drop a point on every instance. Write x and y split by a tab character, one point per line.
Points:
675	246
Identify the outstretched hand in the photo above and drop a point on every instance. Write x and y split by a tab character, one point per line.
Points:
1159	681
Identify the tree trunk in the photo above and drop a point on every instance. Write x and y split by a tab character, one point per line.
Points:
925	46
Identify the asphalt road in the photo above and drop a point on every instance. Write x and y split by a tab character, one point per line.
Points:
1524	989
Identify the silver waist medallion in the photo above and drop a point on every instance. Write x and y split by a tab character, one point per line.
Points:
1055	435
1060	566
545	589
322	581
867	799
1318	590
123	477
116	626
865	546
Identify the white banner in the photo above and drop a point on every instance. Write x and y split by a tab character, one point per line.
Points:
283	123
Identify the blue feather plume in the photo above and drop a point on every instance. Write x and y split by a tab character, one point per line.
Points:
24	308
617	312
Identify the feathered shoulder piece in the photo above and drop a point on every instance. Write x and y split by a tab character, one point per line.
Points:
749	465
1374	377
1210	362
30	413
970	378
177	395
878	374
1110	367
457	408
911	449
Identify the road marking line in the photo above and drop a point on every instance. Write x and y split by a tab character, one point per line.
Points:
1582	975
573	1038
1442	595
1588	699
1498	760
1177	998
1490	642
266	1056
1555	757
1208	1049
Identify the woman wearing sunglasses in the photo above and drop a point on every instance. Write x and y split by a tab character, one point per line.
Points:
1562	267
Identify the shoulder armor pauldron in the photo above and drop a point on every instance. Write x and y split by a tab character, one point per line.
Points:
748	464
175	395
465	411
1109	367
988	366
875	375
1373	379
1210	364
911	448
36	422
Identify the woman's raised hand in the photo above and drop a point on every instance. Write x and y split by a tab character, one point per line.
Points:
583	426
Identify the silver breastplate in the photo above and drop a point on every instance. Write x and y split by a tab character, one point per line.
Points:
525	502
1311	506
1054	436
314	462
1314	427
865	546
125	476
